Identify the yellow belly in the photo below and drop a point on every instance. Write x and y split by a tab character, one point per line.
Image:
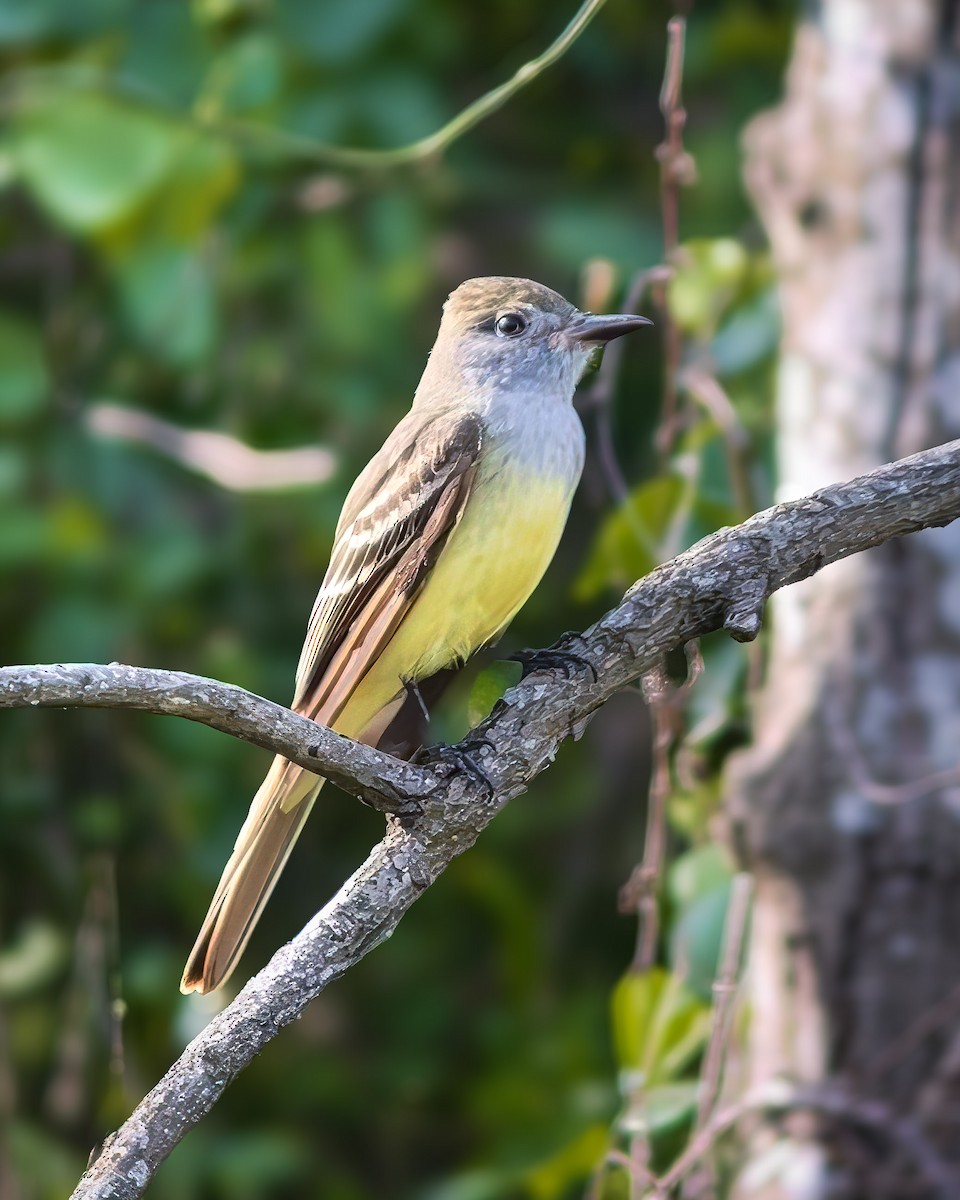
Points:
491	563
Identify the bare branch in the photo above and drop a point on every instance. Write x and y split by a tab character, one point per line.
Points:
677	170
219	456
379	780
722	581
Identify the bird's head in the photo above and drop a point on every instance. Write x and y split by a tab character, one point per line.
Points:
518	333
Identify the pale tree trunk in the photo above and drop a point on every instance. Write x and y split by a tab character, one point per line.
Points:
848	802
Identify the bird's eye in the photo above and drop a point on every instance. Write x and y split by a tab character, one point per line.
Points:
510	324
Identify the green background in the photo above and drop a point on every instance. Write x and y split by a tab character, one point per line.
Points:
159	250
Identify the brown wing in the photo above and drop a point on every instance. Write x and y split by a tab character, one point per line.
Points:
394	525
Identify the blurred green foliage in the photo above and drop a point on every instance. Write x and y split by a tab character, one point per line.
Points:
159	249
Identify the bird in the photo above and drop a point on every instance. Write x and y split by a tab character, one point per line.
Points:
442	538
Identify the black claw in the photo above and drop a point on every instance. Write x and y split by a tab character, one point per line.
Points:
554	659
462	759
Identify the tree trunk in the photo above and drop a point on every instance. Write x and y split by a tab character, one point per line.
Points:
848	802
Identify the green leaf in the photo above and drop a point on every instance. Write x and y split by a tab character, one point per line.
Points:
749	336
709	274
554	1178
698	884
203	174
336	30
696	938
660	1110
88	159
27	20
659	1024
168	298
164	50
697	872
23	371
627	545
488	687
247	75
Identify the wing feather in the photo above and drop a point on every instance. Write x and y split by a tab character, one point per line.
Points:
394	524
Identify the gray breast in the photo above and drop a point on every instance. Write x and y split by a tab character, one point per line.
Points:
540	434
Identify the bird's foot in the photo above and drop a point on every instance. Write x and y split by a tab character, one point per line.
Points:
461	757
553	658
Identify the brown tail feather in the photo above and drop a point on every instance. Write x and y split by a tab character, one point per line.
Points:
262	849
276	816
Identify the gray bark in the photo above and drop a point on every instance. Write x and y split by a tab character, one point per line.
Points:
849	799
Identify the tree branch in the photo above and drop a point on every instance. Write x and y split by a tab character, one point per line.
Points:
376	778
723	582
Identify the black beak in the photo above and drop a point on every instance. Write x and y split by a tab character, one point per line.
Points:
590	329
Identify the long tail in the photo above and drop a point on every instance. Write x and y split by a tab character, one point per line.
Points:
273	824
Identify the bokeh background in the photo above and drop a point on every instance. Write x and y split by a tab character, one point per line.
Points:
164	251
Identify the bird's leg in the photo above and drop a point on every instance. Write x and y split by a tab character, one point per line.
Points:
555	658
414	691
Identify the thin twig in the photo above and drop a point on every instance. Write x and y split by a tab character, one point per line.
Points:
677	170
306	149
643	1183
724	995
675	164
707	390
641	1177
665	702
639	893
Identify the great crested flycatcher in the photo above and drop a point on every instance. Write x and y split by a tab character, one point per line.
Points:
442	538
